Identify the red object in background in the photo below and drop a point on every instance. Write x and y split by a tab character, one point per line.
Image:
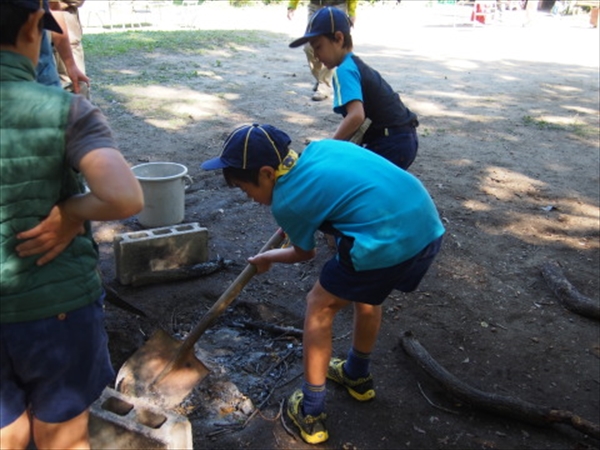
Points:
478	13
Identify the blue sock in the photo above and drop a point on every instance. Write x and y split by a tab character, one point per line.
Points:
313	402
357	364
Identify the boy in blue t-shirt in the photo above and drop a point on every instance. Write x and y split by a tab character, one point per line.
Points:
387	231
359	92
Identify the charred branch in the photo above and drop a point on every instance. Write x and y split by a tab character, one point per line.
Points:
568	295
270	328
493	403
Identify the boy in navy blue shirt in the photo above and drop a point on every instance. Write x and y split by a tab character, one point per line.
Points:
387	231
359	92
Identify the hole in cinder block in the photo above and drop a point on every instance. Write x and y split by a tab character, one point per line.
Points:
151	419
138	235
162	231
184	228
117	406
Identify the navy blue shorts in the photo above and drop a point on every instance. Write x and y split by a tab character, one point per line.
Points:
400	148
56	366
373	286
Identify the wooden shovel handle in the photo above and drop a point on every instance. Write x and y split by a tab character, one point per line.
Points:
228	296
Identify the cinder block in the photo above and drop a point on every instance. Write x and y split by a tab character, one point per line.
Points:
142	252
123	422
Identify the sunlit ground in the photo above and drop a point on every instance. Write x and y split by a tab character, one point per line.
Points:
439	34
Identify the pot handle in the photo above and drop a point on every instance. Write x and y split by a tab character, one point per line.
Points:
187	182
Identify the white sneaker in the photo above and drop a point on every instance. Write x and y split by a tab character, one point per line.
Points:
319	96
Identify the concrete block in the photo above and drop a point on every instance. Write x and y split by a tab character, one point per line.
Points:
123	422
142	252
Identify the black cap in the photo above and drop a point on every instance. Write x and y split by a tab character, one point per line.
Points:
50	22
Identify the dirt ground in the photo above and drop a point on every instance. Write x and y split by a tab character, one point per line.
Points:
509	150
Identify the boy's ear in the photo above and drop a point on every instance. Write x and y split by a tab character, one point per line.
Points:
339	37
31	29
268	172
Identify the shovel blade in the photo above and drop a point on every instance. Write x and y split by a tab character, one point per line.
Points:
138	377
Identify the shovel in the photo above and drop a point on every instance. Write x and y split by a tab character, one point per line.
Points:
164	369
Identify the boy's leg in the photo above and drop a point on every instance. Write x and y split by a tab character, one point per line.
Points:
72	434
320	312
367	321
321	73
314	64
353	373
16	435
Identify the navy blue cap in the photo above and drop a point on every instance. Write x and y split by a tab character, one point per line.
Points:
251	147
325	21
50	22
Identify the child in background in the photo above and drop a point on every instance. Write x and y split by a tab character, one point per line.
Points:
321	73
359	92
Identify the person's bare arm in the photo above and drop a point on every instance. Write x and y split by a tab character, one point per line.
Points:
288	255
352	121
63	46
114	194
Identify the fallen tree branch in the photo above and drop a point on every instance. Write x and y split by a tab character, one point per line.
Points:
441	408
278	363
269	327
283	424
568	295
115	299
494	403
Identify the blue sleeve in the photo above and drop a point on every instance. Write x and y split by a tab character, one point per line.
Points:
346	85
299	228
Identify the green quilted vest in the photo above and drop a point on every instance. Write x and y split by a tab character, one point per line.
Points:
34	177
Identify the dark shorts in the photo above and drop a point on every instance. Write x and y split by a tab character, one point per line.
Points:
57	366
400	148
373	286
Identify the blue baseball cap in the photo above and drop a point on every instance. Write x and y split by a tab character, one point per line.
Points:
50	22
325	21
252	147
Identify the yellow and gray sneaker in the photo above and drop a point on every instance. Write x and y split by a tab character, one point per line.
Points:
312	429
361	389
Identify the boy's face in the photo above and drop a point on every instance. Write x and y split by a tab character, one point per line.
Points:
263	191
329	52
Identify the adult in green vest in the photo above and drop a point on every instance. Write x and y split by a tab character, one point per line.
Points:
54	359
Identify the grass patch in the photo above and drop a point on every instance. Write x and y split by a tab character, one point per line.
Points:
579	129
541	124
545	125
107	45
